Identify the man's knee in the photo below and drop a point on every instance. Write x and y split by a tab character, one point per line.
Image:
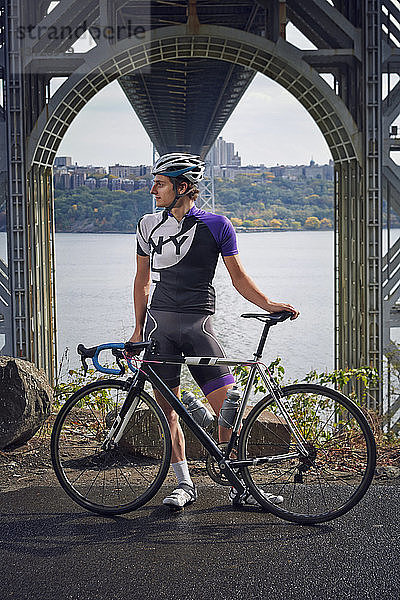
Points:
167	409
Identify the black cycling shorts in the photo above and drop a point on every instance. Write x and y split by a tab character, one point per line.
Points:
187	334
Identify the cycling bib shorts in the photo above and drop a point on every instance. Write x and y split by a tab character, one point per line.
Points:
187	334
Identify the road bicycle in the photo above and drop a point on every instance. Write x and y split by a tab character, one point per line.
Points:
111	444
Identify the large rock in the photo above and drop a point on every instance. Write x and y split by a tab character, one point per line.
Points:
25	400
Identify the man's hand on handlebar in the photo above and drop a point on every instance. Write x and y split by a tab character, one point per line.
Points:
134	339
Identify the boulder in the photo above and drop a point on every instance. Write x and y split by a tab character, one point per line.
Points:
25	400
387	472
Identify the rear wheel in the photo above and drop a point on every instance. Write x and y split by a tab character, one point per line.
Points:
125	477
341	458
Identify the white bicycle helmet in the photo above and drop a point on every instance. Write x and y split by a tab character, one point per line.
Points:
190	166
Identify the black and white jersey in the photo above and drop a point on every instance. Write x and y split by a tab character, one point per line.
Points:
183	257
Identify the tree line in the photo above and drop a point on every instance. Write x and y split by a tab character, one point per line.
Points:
276	204
82	210
267	203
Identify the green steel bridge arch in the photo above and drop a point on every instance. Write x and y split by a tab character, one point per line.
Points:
280	61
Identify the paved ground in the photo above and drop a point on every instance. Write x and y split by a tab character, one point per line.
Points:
52	549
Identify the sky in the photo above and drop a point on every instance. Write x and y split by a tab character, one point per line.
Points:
268	126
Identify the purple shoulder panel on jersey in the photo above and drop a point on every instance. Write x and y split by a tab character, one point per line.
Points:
221	229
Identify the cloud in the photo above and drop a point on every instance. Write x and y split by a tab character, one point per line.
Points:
270	126
107	131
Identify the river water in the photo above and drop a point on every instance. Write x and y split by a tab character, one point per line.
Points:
94	275
94	295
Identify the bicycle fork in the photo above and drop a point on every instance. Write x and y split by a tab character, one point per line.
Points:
122	419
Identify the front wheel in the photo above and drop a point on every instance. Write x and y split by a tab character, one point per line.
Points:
128	474
333	474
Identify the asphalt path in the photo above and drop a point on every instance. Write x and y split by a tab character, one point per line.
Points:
52	549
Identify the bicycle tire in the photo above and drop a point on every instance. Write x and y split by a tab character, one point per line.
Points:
119	480
342	454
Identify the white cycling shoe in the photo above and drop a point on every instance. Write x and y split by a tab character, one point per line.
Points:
183	495
247	499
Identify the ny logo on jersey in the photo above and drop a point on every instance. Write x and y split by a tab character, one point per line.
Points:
158	247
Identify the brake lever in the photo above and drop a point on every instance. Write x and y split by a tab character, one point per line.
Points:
84	365
121	366
118	355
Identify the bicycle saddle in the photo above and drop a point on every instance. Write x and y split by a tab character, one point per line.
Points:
272	318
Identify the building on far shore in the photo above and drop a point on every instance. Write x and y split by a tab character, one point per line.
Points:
223	159
63	161
227	164
126	171
311	171
131	177
119	177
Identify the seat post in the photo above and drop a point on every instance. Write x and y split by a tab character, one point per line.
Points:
263	339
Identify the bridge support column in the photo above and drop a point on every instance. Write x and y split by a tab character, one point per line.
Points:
359	315
29	318
42	268
358	291
17	329
351	346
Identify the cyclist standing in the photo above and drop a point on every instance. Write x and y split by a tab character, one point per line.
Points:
178	250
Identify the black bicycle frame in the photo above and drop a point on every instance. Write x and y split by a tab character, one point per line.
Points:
147	373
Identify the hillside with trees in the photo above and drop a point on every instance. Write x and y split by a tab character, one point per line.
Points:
276	204
100	210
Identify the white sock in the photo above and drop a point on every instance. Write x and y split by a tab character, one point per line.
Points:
182	472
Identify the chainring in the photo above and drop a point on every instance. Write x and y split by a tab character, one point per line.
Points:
213	468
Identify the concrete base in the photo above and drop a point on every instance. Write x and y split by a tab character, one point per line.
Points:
270	436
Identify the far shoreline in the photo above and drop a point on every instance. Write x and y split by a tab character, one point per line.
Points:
237	229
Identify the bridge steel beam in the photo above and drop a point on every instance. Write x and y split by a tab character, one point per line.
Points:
6	320
18	343
372	103
28	279
279	61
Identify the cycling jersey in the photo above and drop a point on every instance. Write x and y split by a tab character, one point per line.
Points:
183	257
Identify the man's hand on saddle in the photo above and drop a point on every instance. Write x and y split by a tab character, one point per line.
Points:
279	306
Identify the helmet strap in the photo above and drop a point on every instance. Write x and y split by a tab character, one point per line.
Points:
177	195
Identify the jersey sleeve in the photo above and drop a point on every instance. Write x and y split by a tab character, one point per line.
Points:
227	239
143	246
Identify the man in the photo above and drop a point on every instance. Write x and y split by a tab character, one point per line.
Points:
178	250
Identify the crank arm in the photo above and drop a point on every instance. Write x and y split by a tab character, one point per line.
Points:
232	476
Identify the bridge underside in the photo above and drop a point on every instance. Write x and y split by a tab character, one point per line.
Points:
184	73
184	105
